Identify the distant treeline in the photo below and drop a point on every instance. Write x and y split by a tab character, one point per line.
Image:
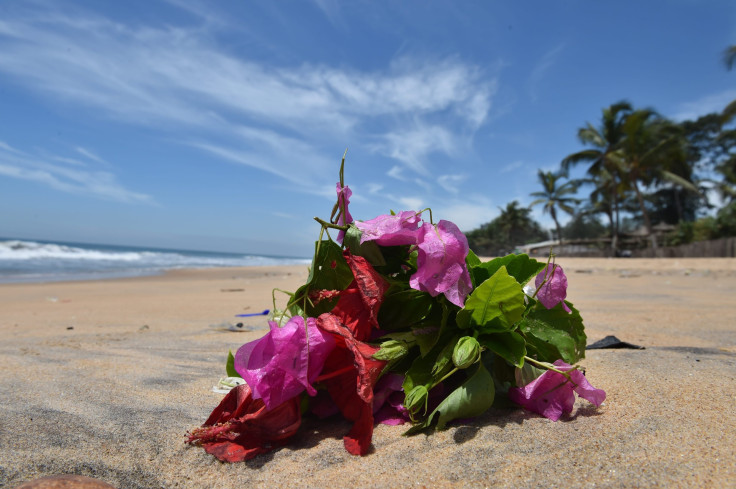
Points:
645	176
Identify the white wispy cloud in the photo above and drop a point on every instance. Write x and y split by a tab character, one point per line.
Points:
6	147
514	165
265	149
70	161
89	154
413	146
180	80
201	9
708	104
415	203
374	188
283	215
331	9
541	69
451	182
396	172
100	184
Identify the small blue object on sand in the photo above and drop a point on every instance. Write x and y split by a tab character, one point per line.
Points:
264	313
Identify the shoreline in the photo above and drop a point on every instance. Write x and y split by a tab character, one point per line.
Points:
608	264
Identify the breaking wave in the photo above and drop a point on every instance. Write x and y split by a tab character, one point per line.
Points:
24	260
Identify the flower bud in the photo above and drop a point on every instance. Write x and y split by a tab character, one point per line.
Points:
416	398
391	350
466	353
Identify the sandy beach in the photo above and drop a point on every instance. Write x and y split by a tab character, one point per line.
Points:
104	379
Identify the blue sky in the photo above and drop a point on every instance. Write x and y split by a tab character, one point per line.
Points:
220	125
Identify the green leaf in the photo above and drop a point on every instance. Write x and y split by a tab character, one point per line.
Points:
521	267
554	333
405	336
420	373
368	250
471	399
429	369
444	364
396	257
329	271
426	337
503	377
527	374
295	310
510	346
230	365
472	259
404	309
494	306
429	331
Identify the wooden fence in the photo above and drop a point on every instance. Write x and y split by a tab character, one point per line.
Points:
724	247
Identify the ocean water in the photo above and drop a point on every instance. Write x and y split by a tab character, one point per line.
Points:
47	261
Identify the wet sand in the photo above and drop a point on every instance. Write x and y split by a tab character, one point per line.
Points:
104	379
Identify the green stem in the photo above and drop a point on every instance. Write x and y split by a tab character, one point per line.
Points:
326	224
546	365
342	168
444	378
427	209
288	303
547	274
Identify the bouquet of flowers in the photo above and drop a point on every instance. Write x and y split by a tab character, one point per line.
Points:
399	322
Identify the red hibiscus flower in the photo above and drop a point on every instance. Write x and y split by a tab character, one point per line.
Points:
350	373
358	305
241	427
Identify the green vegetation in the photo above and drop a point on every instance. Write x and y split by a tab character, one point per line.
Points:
555	197
643	173
512	227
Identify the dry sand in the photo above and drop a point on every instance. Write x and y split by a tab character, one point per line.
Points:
113	397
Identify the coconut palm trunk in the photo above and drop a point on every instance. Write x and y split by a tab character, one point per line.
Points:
553	213
645	216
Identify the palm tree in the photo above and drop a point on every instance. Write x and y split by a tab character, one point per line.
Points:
651	149
517	225
729	59
729	56
604	159
554	197
727	187
512	227
605	188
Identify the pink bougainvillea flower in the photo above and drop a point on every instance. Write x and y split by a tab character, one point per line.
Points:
350	374
387	230
343	200
551	394
441	267
388	401
554	290
241	427
285	362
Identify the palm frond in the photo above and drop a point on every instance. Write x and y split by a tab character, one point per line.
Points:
586	155
729	56
678	180
729	113
591	136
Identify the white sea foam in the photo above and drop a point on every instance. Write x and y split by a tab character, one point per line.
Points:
24	260
30	250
